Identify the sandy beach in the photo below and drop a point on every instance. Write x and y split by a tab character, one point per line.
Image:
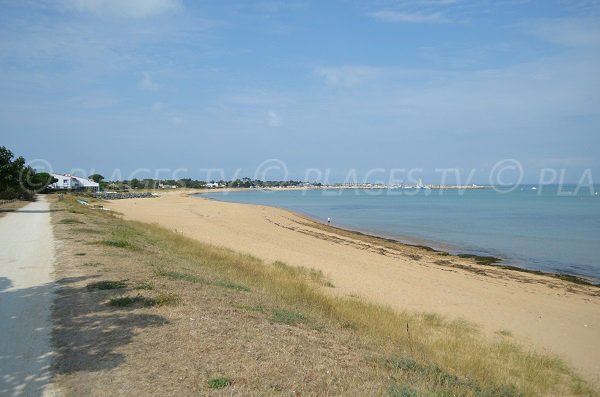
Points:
545	313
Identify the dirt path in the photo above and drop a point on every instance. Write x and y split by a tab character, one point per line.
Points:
26	295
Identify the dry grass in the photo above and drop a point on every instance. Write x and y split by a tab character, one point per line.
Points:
276	328
455	345
13	206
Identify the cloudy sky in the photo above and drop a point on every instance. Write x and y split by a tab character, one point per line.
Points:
171	84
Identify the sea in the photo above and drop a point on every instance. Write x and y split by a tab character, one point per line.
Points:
547	228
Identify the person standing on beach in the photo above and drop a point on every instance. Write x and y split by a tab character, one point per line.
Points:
328	220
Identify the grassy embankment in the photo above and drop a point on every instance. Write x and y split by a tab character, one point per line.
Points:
6	207
148	268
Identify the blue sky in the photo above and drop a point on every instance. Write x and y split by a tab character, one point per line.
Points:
166	84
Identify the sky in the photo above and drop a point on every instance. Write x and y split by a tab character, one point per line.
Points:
303	89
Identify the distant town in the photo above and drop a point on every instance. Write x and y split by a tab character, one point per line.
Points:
96	182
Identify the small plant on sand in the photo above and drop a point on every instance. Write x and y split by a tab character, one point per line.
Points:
80	254
118	243
172	275
288	317
147	285
160	300
402	390
504	332
125	301
92	264
164	300
276	387
69	221
88	230
230	285
219	383
104	285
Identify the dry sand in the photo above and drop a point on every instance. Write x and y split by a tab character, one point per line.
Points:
548	314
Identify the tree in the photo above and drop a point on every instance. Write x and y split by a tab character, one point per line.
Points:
39	181
18	180
96	178
11	172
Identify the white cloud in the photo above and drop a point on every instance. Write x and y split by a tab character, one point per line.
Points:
562	161
147	83
125	8
255	98
274	119
177	120
407	17
157	107
99	101
353	75
571	32
347	76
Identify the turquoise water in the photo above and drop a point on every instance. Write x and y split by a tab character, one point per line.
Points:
540	229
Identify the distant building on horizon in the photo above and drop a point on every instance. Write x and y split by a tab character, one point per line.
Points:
70	182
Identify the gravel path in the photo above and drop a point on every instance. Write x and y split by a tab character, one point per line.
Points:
26	295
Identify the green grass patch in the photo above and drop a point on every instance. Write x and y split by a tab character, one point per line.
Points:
250	308
107	284
118	243
146	285
276	387
164	300
70	221
178	276
126	301
403	390
218	383
92	264
87	230
439	381
160	300
231	285
288	317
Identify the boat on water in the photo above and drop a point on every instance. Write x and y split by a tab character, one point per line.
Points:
421	186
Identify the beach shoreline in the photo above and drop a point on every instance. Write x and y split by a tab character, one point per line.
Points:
482	257
550	314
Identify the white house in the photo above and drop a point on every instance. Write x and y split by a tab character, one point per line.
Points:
70	182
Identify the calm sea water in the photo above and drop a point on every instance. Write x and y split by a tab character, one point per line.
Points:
542	229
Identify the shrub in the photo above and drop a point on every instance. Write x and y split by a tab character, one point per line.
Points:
104	285
219	383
